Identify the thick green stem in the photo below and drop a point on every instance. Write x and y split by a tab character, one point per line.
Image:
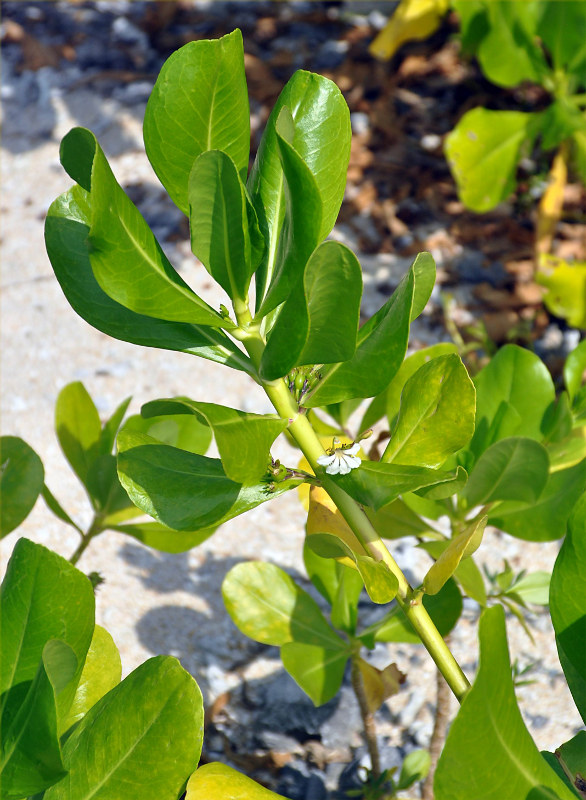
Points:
305	436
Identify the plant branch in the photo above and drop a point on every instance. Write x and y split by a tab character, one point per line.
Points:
94	529
440	731
367	718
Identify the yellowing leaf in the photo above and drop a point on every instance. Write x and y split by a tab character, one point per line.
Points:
379	684
550	206
324	517
566	288
462	546
221	782
413	19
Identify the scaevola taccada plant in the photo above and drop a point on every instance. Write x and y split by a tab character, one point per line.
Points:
296	333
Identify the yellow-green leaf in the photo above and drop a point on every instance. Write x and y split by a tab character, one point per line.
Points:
221	782
413	19
463	545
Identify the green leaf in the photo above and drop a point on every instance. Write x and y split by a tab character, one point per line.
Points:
344	614
31	758
160	537
154	716
574	369
572	758
461	546
244	440
545	519
483	151
380	349
126	259
183	430
553	762
78	428
322	136
318	671
219	213
467	573
110	429
424	278
101	672
560	120
21	481
568	607
452	483
269	607
444	608
66	238
379	582
377	484
42	597
579	154
55	506
561	29
225	783
396	520
436	418
319	321
532	588
513	393
511	469
489	713
512	30
199	103
415	768
301	221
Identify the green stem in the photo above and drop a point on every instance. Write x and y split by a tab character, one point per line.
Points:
94	529
311	447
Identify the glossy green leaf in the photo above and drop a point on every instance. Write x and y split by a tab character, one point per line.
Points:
467	573
546	518
444	608
553	762
340	585
101	672
511	469
301	220
572	759
483	151
567	605
269	607
183	430
184	490
243	439
42	597
161	537
560	121
579	154
31	758
424	278
453	483
379	582
436	417
532	588
319	321
219	214
377	484
489	713
561	28
154	716
126	259
512	30
513	393
66	238
78	428
380	349
461	546
322	136
574	369
225	783
199	103
110	428
22	479
396	520
318	671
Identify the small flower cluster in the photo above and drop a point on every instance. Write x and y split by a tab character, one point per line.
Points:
340	459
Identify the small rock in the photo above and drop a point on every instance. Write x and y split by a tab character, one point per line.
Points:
431	142
360	122
316	788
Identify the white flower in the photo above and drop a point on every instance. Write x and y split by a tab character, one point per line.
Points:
340	460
